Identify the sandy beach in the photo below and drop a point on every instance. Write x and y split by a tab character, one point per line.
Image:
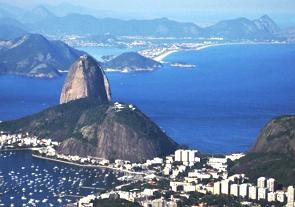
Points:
162	56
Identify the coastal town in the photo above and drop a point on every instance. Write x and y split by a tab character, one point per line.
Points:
184	178
156	48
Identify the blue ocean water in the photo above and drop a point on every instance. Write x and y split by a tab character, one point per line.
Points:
218	107
97	52
28	181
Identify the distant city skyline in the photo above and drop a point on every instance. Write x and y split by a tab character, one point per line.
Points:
198	11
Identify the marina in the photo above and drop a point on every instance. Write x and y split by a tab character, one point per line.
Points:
29	181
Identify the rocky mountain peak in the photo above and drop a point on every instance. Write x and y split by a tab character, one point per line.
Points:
86	79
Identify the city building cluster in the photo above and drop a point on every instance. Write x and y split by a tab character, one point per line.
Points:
162	182
19	140
264	190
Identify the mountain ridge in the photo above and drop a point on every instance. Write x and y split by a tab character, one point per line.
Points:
263	27
33	55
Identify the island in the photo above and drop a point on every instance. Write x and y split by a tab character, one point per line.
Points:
131	62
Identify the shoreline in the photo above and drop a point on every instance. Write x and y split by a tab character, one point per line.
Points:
85	166
161	57
16	149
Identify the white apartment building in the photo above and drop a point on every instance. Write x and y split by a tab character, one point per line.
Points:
186	156
244	189
225	187
271	196
270	183
281	197
234	189
217	188
291	195
262	193
253	192
218	163
261	182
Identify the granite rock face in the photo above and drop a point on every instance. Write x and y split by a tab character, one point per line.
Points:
86	79
87	128
278	136
87	123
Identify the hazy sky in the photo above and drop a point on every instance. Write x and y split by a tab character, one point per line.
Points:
194	10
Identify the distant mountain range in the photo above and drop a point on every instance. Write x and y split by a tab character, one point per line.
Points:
131	62
11	29
34	55
240	28
243	28
42	20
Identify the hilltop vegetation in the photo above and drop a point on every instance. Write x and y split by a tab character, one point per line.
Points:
273	153
275	165
90	127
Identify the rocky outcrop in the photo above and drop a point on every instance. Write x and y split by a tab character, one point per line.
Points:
86	79
273	153
277	136
87	123
110	130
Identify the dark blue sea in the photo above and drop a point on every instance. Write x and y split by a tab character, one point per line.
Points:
219	107
28	181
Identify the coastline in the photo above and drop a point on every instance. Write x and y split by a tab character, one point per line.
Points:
85	166
17	149
161	57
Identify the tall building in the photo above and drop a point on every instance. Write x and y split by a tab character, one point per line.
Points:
193	156
261	182
217	188
244	188
178	156
291	195
225	187
253	192
234	190
185	156
270	183
262	194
